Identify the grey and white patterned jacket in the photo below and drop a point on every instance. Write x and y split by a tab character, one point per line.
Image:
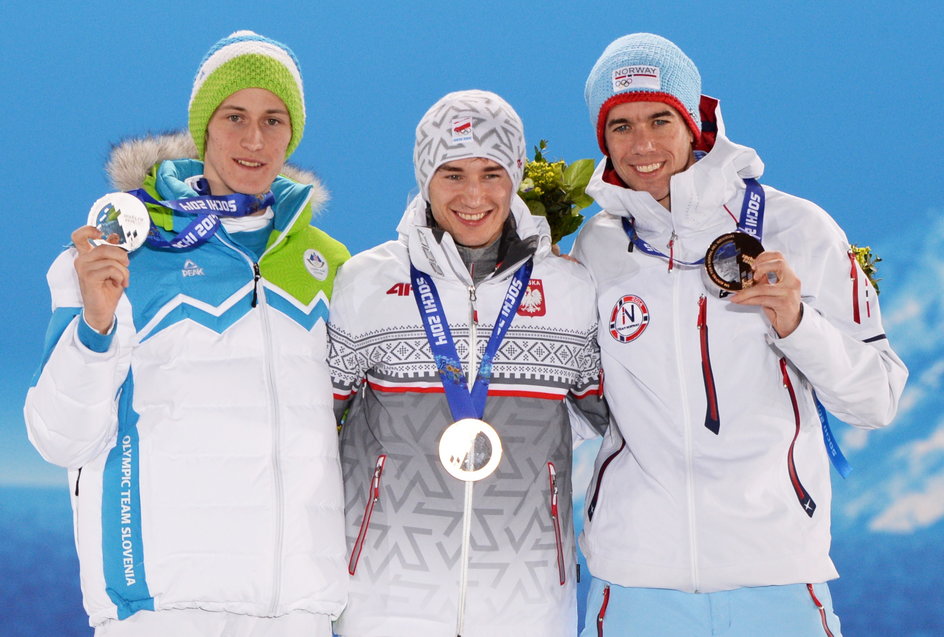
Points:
403	510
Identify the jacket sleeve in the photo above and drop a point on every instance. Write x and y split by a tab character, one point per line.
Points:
840	345
71	409
346	358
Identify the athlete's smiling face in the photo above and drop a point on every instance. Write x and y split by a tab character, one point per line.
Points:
648	142
470	199
247	138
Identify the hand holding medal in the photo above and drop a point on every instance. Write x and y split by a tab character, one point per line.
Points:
776	289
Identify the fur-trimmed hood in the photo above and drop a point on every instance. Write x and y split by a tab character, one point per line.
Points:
132	158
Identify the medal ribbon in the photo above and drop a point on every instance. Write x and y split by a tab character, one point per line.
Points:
207	210
751	222
464	403
832	445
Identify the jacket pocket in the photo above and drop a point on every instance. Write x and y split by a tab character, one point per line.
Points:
806	500
712	420
555	518
596	487
373	495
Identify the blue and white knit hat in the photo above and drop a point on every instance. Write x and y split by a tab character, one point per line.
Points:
468	124
246	60
642	67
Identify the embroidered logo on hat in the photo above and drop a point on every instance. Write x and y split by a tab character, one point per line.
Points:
462	130
636	77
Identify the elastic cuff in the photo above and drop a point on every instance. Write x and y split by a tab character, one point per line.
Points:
93	339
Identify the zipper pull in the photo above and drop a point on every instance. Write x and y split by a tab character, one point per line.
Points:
553	476
255	283
375	481
672	250
783	370
472	299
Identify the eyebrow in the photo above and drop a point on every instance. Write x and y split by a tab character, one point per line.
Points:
243	109
625	120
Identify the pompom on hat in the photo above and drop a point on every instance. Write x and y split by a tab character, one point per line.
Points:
642	67
468	124
241	60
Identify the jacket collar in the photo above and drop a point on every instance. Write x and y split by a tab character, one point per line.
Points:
439	257
699	193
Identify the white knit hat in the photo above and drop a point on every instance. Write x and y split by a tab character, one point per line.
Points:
468	124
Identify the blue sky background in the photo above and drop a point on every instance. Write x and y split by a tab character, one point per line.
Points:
842	100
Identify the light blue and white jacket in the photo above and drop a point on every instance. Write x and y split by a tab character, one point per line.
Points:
199	437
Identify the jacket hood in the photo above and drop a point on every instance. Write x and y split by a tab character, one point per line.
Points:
697	192
132	158
437	258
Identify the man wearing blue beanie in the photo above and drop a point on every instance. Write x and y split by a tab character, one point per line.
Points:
730	314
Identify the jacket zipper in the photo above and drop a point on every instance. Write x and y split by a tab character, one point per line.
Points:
552	476
806	501
596	488
273	396
712	420
78	476
855	288
256	275
601	615
821	608
373	495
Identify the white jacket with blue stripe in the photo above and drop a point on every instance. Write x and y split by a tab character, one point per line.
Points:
200	440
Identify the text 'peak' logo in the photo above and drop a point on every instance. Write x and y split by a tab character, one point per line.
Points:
629	319
533	301
191	269
462	130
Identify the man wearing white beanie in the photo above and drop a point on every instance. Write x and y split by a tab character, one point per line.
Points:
708	513
457	351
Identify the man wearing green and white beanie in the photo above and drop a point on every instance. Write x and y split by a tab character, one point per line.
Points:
184	384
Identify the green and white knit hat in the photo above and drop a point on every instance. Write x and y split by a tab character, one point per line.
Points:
246	60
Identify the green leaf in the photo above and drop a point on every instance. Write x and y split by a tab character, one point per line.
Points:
577	174
582	201
536	208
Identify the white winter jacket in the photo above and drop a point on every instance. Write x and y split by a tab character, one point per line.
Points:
672	503
201	445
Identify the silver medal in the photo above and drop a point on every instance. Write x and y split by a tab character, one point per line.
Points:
470	449
122	219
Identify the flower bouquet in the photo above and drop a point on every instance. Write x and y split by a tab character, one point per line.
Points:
556	191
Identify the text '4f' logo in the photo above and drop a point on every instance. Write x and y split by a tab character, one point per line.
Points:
629	318
533	302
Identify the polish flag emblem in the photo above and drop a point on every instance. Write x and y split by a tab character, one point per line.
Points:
532	303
